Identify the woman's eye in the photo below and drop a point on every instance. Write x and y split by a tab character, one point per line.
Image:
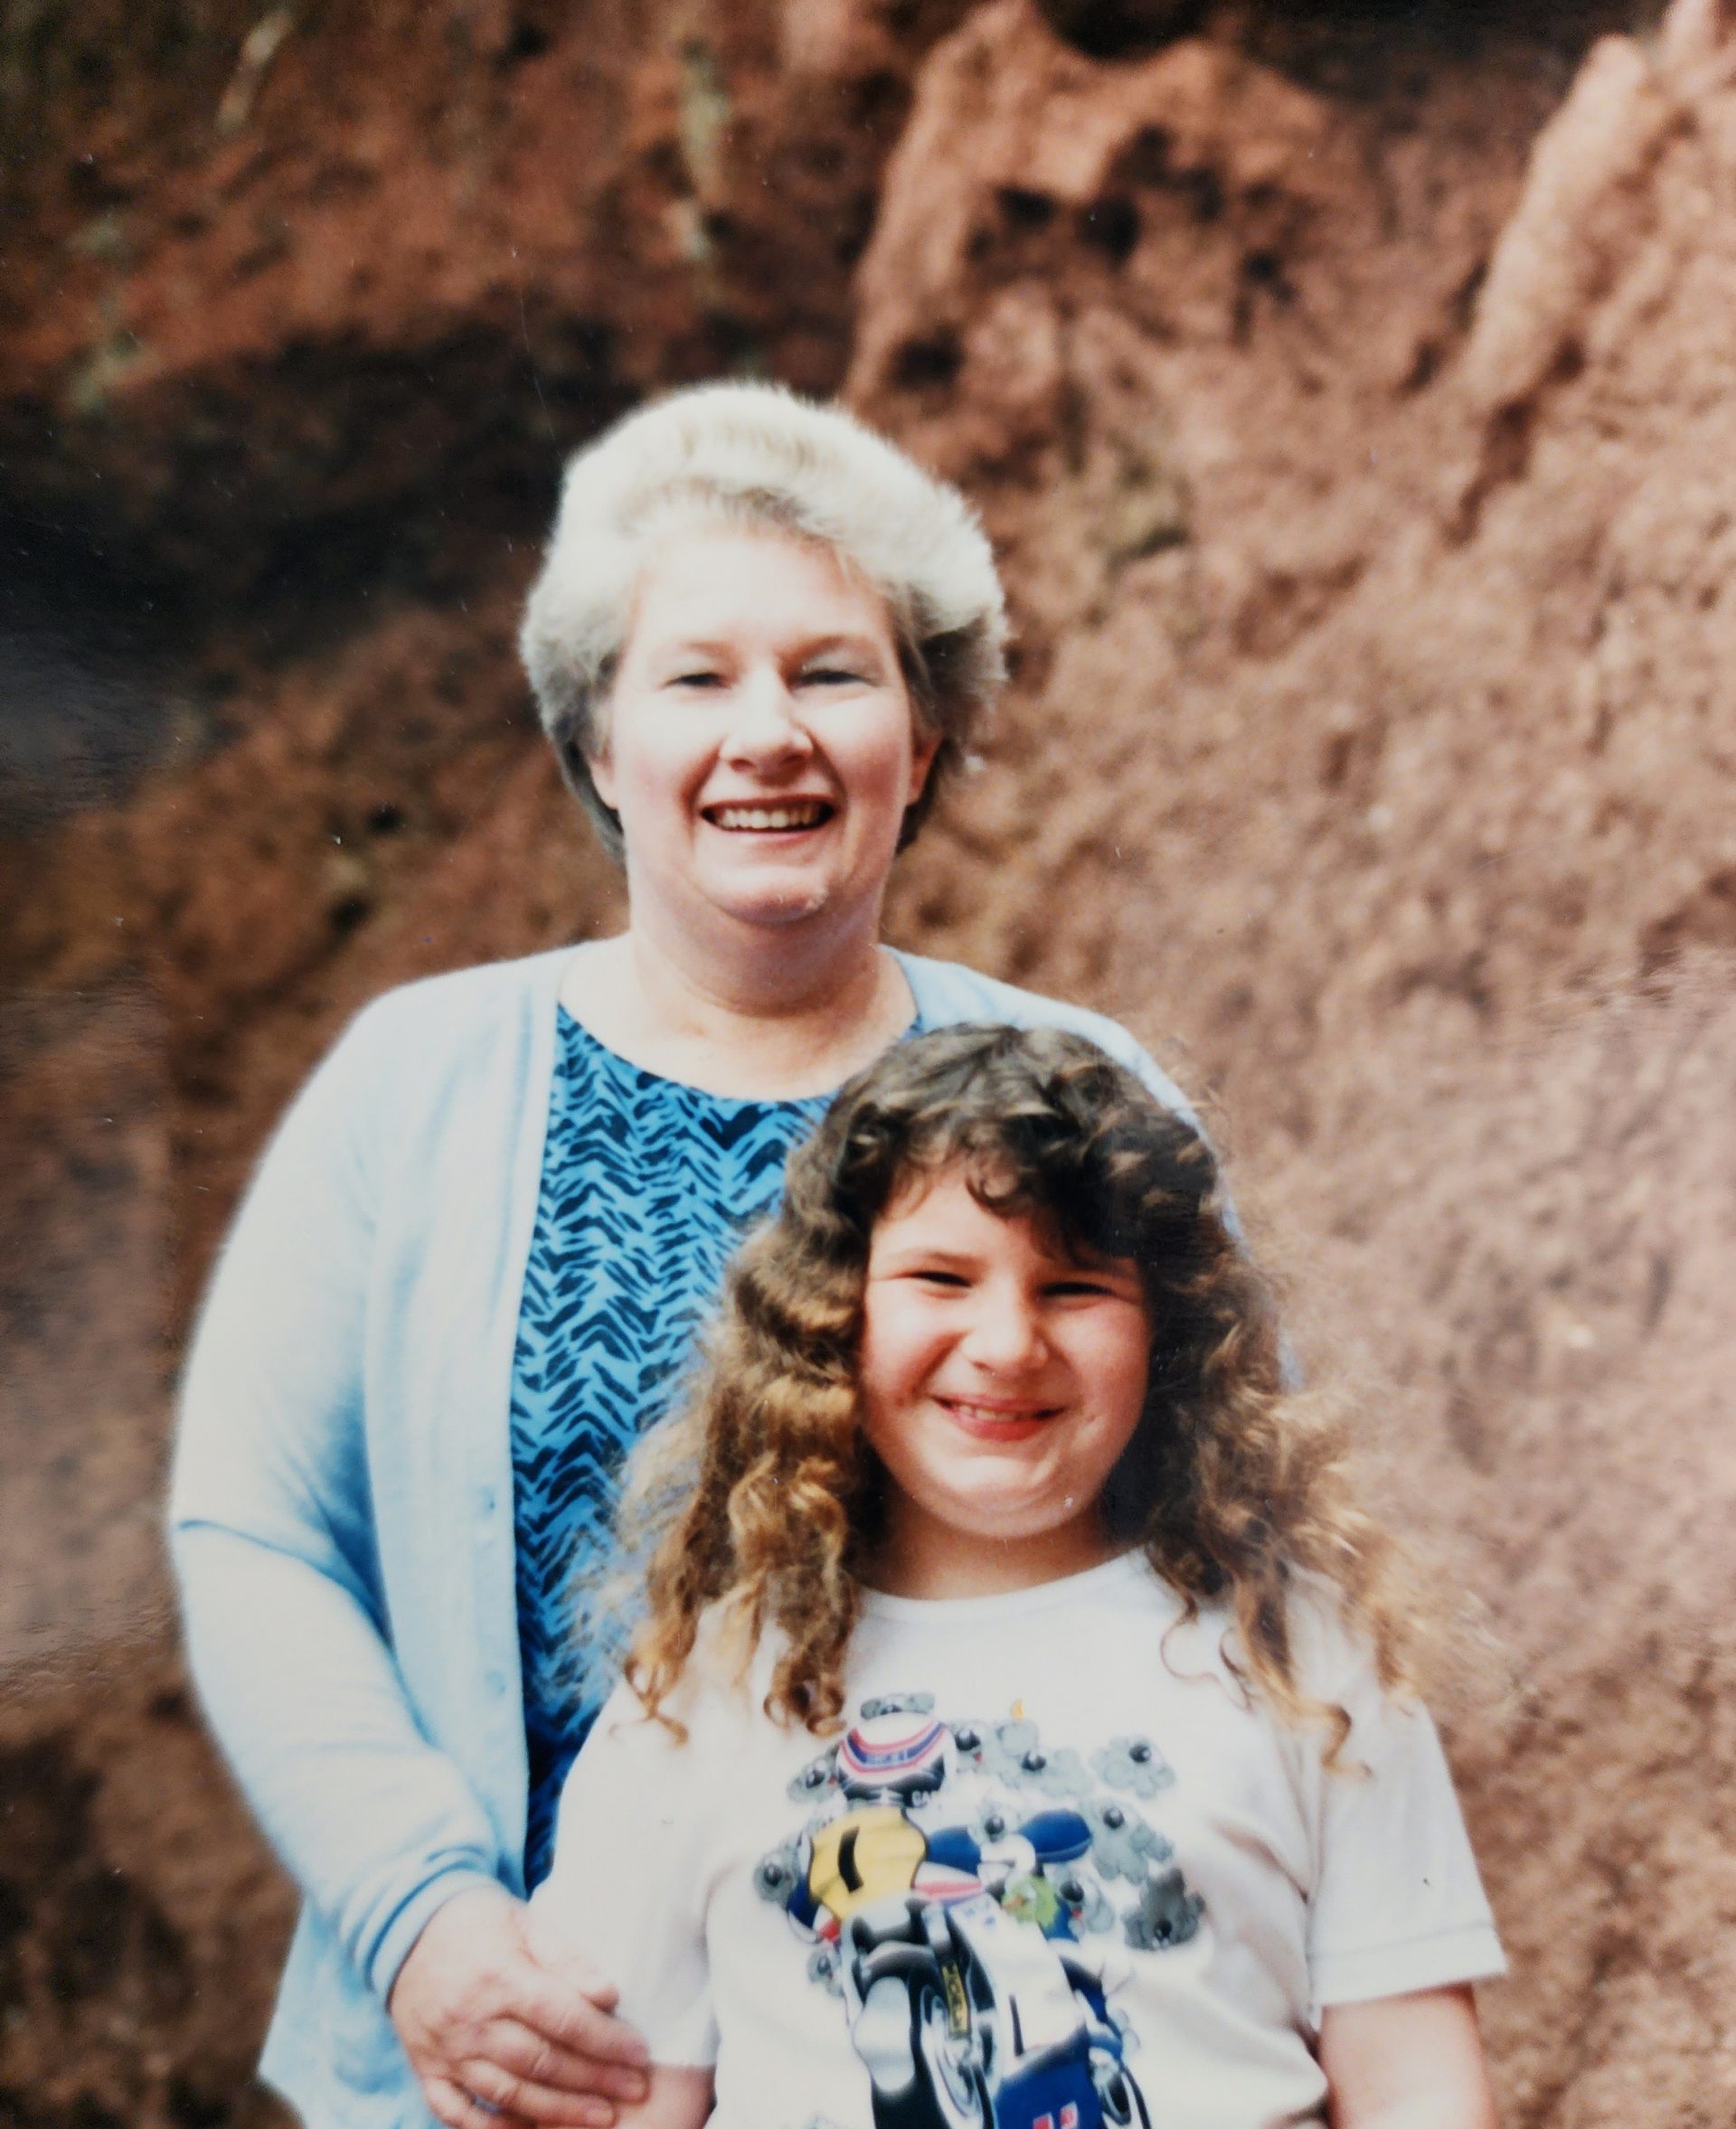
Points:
831	676
699	678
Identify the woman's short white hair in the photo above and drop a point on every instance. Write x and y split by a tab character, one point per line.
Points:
758	455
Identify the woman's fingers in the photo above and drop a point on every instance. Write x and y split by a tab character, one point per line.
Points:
458	2109
526	2073
518	2098
574	1970
553	2007
539	2060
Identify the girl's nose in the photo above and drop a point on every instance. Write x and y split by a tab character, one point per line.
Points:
1005	1332
767	726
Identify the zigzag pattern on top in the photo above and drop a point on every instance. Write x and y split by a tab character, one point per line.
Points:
646	1188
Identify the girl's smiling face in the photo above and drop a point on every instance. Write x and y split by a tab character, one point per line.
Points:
1001	1380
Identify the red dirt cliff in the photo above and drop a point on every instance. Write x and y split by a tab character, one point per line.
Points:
1353	403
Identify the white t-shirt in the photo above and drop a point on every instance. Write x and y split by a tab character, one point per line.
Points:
1058	1871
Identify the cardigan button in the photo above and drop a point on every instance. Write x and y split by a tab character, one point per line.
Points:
496	1682
487	1498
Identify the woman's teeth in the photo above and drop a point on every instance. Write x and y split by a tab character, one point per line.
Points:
808	814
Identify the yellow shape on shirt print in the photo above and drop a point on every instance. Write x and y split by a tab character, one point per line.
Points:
862	1857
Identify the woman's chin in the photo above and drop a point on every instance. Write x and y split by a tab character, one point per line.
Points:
775	895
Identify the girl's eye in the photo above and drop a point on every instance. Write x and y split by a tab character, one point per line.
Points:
1069	1289
946	1279
698	678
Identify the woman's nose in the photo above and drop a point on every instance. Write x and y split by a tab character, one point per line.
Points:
767	725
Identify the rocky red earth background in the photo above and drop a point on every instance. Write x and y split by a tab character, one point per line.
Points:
1352	393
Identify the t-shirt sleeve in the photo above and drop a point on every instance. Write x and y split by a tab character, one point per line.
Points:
628	1888
1397	1904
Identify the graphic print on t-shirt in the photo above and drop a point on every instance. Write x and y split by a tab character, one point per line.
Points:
973	1895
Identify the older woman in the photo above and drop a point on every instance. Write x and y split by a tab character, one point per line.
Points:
470	1264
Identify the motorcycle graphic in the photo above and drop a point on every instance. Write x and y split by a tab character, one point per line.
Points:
968	1945
968	2019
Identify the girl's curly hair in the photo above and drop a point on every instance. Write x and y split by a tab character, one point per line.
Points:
763	1496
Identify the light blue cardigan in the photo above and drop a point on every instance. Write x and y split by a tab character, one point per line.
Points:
342	1503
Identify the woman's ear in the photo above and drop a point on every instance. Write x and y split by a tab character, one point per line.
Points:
602	776
924	746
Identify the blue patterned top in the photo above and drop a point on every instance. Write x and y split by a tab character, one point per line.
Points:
648	1186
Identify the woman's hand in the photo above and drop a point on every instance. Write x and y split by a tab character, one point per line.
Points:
1406	2062
482	2021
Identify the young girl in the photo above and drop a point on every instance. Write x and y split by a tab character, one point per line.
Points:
1017	1733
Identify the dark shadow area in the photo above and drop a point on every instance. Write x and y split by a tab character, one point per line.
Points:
87	639
268	503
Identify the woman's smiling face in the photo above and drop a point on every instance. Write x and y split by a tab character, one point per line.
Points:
1001	1380
760	748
